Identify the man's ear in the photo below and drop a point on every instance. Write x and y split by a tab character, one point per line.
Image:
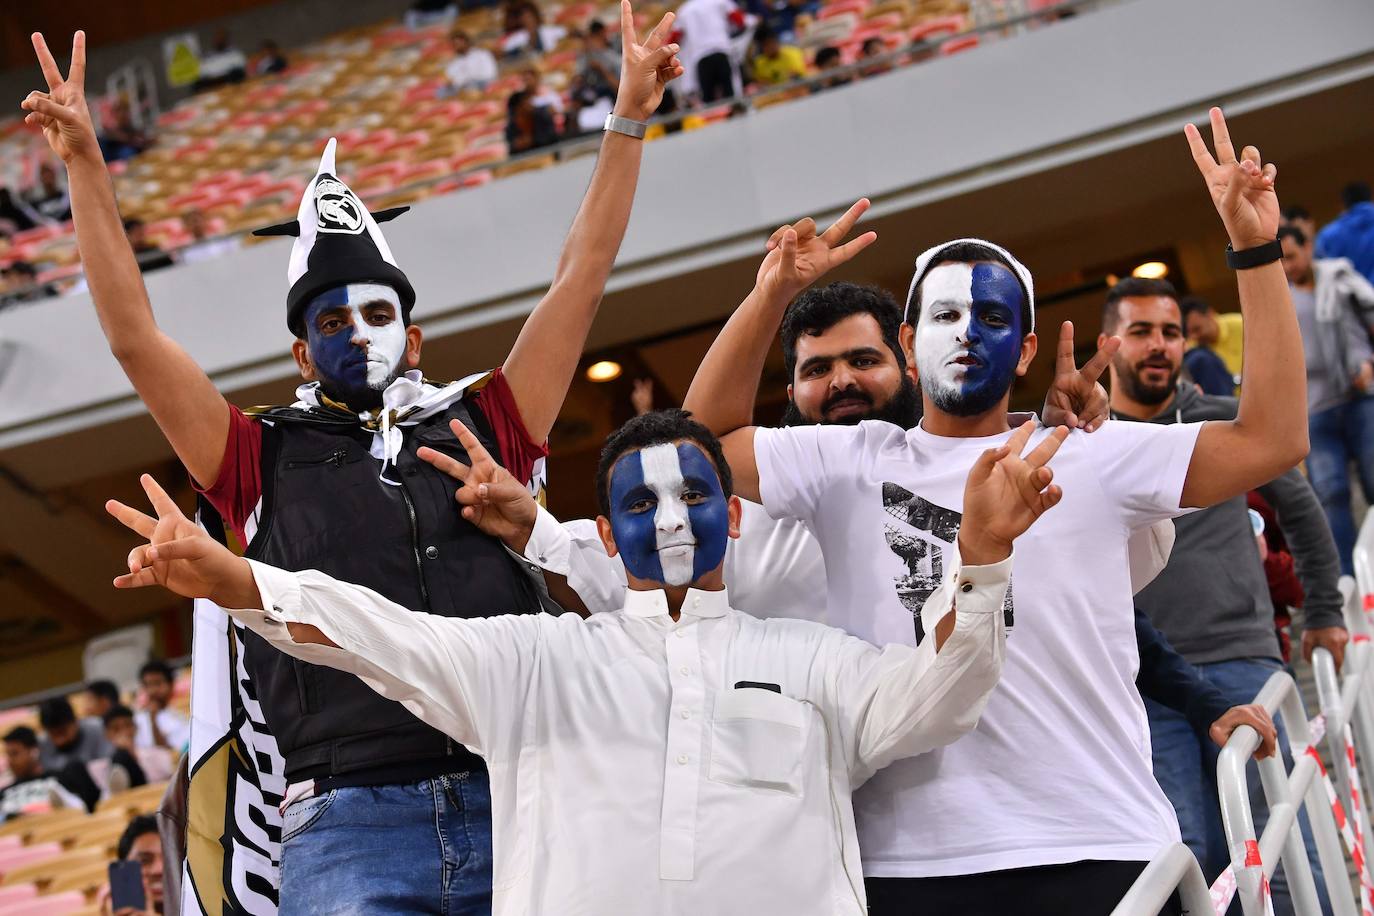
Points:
1102	339
1029	343
301	351
789	391
735	511
603	528
906	335
414	338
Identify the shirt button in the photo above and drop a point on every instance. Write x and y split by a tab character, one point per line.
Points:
696	601
685	670
680	634
686	714
966	587
682	759
432	552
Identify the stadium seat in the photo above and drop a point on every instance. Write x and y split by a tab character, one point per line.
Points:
63	904
14	893
955	45
15	863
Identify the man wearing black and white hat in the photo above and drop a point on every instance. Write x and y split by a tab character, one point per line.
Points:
384	813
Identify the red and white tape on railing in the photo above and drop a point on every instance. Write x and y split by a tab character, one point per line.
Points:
1224	889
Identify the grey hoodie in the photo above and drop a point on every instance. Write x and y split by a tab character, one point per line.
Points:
1212	599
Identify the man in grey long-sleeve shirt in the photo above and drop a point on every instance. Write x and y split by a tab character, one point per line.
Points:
1212	599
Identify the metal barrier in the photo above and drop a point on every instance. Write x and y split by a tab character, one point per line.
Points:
1173	869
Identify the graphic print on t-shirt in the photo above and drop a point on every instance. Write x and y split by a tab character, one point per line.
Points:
920	542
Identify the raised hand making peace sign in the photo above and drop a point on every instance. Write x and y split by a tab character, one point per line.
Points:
493	500
798	257
1075	398
646	68
61	112
1242	189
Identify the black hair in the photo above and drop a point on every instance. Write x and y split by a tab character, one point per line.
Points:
970	253
764	33
117	711
597	27
1191	305
156	666
54	712
104	689
132	222
141	825
1296	211
826	54
1294	233
22	267
656	428
1357	192
517	98
22	734
1130	288
875	40
820	308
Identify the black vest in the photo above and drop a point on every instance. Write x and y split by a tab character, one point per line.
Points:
324	507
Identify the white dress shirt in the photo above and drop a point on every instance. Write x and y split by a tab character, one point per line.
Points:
630	773
475	68
175	727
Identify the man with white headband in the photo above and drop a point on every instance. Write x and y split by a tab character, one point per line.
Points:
1051	799
383	813
677	755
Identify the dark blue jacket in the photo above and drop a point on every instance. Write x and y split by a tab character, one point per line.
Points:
1169	680
1351	235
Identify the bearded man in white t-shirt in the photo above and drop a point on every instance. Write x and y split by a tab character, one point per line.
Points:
1049	806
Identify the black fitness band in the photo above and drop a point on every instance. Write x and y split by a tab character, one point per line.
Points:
1258	256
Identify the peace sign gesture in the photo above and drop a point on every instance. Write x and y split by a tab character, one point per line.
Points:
1242	189
61	112
798	257
646	68
1005	494
493	500
1075	399
180	555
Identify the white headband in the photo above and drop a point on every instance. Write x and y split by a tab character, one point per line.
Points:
923	266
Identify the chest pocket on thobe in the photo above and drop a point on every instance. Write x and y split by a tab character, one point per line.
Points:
757	740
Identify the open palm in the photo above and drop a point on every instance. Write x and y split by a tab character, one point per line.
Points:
61	112
1242	189
798	257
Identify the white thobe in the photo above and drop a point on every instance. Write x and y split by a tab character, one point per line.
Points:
631	772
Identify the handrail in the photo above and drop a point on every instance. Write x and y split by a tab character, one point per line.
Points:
1173	869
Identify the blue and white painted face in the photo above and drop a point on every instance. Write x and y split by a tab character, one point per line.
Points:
669	515
356	339
968	335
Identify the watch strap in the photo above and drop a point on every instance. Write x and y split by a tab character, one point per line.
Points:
627	126
1258	256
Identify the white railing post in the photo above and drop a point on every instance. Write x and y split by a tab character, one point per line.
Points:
1173	869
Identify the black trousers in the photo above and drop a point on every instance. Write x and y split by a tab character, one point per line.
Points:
1074	889
715	81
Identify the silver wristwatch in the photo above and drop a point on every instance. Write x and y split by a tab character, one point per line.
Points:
627	126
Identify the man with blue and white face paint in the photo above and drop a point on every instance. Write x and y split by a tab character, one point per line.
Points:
1071	824
676	756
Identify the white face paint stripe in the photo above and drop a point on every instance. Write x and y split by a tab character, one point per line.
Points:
673	525
386	344
948	286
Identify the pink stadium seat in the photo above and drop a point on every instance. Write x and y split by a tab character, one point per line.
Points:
14	893
51	905
10	841
840	7
575	14
59	273
388	169
934	28
11	858
955	45
404	143
423	172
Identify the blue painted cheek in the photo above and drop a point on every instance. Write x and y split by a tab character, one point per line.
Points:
341	365
711	517
995	290
635	535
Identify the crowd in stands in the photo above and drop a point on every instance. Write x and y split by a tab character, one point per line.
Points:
450	98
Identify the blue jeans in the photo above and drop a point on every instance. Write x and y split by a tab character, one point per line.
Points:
1340	435
1185	765
418	848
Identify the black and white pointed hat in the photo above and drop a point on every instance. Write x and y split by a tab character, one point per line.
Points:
337	242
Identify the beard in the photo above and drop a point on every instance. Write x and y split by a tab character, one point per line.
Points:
981	398
1141	391
902	409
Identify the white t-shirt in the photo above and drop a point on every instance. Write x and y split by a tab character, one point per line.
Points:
1058	769
705	27
175	727
475	68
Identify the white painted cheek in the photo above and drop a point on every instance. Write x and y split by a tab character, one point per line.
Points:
672	525
949	286
385	348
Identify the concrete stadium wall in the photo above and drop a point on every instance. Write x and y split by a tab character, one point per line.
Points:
1127	73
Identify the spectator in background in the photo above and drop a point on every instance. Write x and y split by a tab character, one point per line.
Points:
67	740
776	63
202	247
150	256
781	16
828	59
122	139
15	213
125	770
36	786
705	28
642	396
1351	235
596	82
269	59
156	725
101	697
21	284
874	49
425	13
531	36
1297	215
529	126
471	67
49	198
542	96
141	842
225	64
1221	331
1335	307
1204	366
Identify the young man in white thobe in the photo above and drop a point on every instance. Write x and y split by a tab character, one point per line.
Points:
677	756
